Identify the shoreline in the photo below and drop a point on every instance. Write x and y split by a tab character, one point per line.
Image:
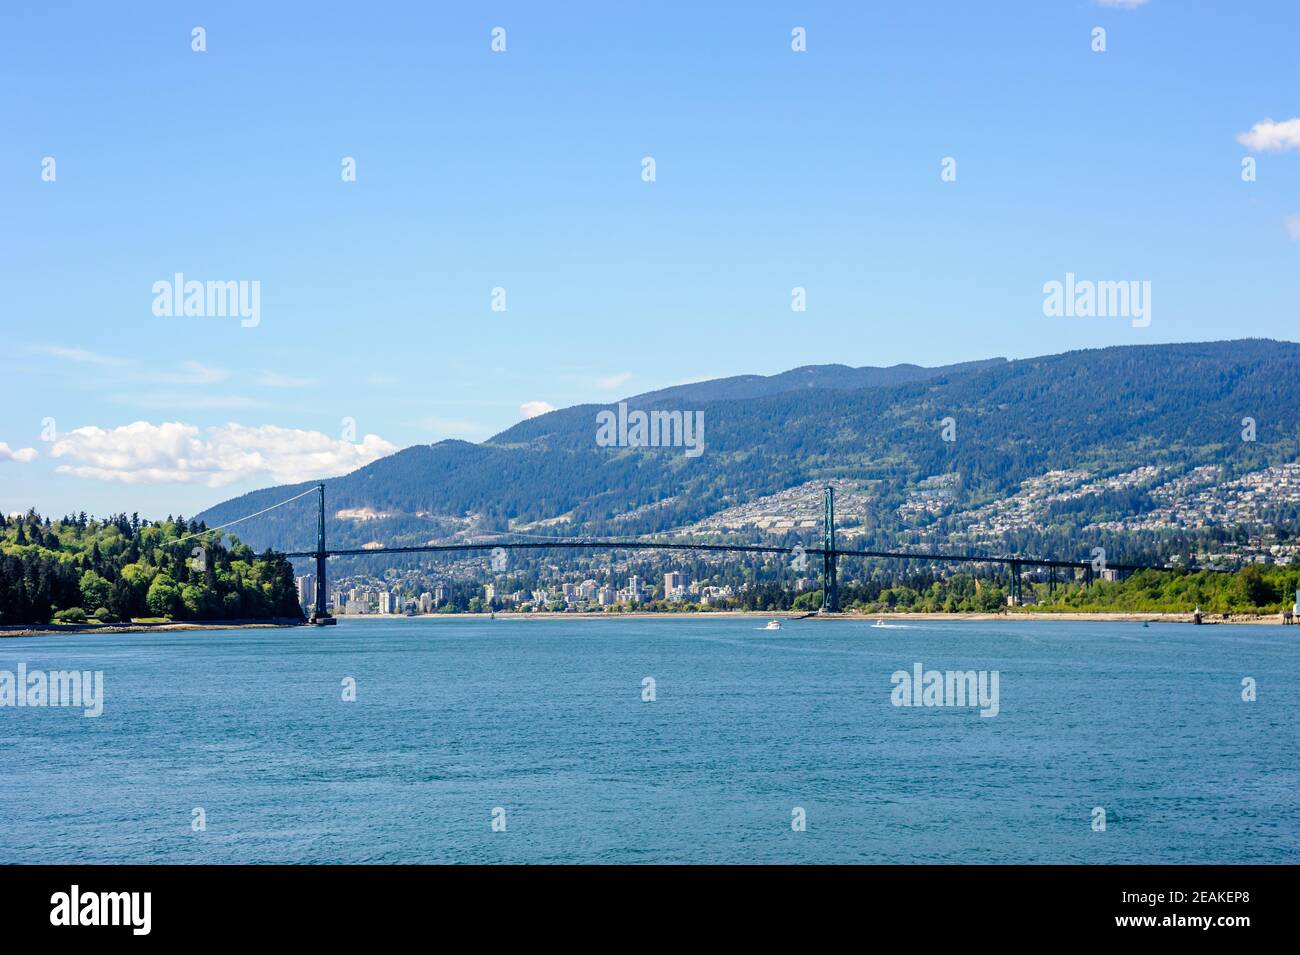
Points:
1120	616
45	630
1126	616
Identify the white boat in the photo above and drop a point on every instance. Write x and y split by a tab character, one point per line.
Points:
773	625
879	622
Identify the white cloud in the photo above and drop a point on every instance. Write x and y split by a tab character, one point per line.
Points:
1121	4
273	379
1292	224
1268	136
531	409
610	382
21	455
76	354
174	452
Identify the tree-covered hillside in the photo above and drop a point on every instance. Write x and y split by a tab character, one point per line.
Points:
1106	410
122	568
1251	590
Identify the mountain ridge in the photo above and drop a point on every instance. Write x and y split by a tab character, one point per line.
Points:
834	376
1103	411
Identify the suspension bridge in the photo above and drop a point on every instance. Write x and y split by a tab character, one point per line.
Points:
828	552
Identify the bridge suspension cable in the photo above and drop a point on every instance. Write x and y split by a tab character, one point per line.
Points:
238	520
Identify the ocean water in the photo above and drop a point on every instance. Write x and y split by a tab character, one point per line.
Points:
544	719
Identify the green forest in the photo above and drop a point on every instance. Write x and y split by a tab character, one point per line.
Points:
1254	589
81	569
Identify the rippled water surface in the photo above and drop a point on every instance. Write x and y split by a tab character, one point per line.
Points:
545	719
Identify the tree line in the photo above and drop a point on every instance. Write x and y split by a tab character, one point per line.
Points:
118	569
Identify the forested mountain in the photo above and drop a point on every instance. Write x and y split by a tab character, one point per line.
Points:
1106	411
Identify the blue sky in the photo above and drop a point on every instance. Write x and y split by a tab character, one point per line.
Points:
522	170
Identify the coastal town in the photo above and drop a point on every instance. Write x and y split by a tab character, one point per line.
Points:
409	593
1198	499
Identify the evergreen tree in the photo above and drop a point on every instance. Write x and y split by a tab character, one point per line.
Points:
109	567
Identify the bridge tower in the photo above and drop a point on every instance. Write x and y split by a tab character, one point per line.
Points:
830	589
321	616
